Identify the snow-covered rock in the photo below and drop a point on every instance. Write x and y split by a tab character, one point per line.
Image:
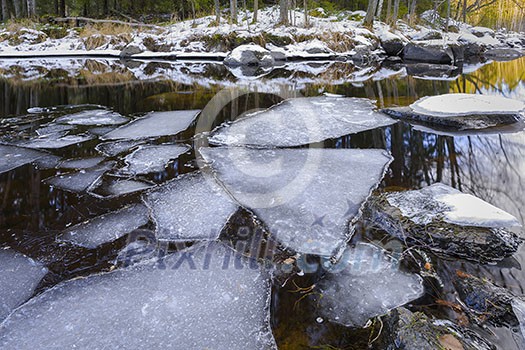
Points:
369	285
107	228
190	207
249	55
392	44
462	111
308	198
302	121
432	53
19	276
130	50
448	221
482	31
193	299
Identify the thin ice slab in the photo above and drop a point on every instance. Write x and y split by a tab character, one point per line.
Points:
302	121
152	159
111	187
307	197
191	207
81	180
154	124
80	163
366	283
56	141
114	148
12	157
462	111
93	117
108	227
195	299
19	276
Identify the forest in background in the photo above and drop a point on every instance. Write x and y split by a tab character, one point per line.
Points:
509	14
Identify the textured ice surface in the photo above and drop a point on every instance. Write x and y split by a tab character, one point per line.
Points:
151	159
53	129
19	276
56	141
81	163
303	121
12	157
190	207
114	187
114	148
307	197
81	180
366	283
518	306
93	117
155	124
443	202
107	227
466	104
187	301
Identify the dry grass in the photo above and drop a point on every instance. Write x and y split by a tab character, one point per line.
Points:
15	25
105	29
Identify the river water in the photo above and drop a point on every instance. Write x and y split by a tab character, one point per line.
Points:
490	165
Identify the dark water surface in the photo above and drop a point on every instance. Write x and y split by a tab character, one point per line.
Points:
490	165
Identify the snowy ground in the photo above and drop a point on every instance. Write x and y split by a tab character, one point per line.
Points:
329	37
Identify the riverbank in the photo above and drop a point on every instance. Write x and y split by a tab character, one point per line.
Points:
337	37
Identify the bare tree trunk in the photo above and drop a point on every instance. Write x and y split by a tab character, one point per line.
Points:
283	13
412	11
305	5
370	12
395	15
62	8
233	11
217	11
464	11
379	9
447	23
255	10
5	11
17	6
388	17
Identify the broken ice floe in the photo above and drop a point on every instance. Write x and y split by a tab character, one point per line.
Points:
113	186
80	163
12	157
194	299
19	276
55	141
445	220
108	227
53	129
81	180
154	124
303	121
306	197
462	111
114	148
369	285
190	207
443	202
93	117
151	159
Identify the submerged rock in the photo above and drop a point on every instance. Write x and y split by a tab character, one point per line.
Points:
302	121
19	276
249	55
194	299
190	207
461	111
369	285
416	331
308	198
486	302
447	221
